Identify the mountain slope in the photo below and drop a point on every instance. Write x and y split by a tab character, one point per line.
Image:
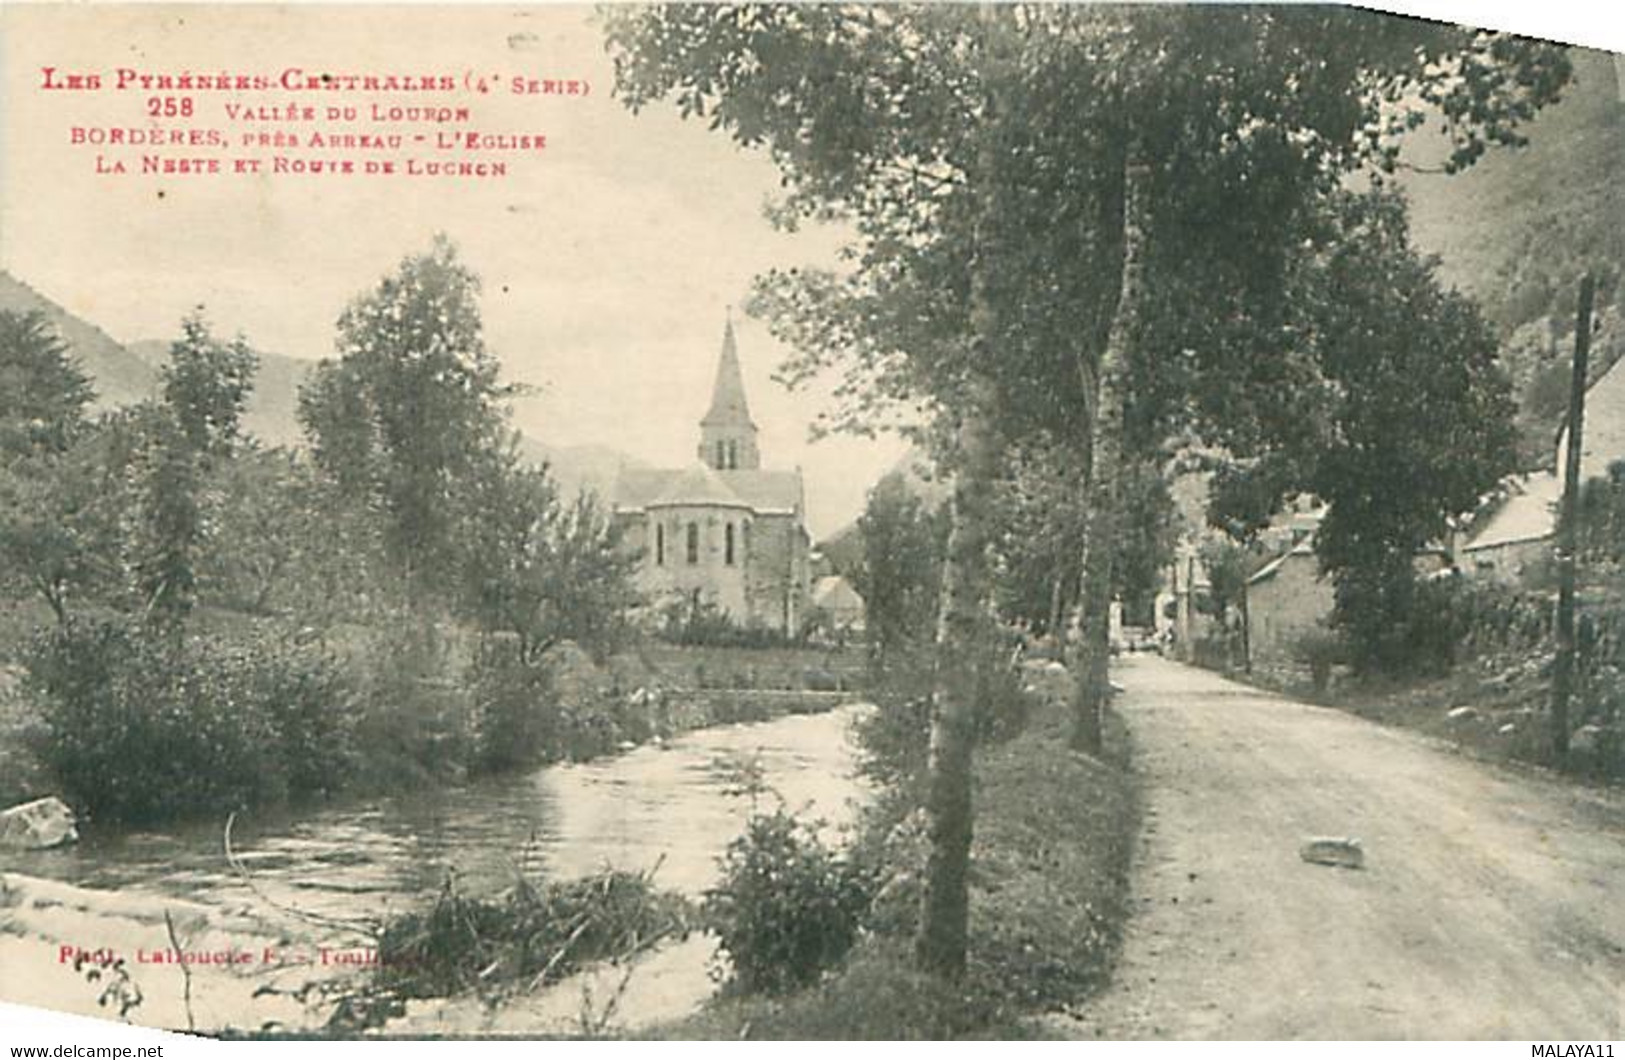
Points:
1517	230
272	414
119	376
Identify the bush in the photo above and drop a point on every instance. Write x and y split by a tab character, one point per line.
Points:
417	722
1320	650
516	722
787	909
696	622
141	727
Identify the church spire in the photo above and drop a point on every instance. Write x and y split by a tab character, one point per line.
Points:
727	435
728	405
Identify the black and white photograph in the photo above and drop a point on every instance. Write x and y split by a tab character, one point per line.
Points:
711	522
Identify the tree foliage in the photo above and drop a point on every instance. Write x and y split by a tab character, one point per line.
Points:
43	393
206	386
541	569
900	570
56	525
410	408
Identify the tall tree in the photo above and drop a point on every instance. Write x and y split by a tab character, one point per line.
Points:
55	526
410	408
1420	417
900	569
206	385
181	439
540	569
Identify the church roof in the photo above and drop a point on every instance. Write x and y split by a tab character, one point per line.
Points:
760	491
697	484
728	404
766	490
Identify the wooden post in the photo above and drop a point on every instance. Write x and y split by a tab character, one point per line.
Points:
1246	630
1568	530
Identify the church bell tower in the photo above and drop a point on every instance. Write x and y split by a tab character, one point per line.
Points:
727	435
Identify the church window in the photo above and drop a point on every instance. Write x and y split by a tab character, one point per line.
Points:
693	543
722	455
733	455
728	545
660	544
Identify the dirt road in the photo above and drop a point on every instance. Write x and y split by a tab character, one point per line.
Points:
1492	904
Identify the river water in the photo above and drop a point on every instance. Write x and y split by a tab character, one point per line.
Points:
674	806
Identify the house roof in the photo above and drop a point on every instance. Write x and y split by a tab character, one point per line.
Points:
1528	513
835	593
1604	435
776	492
1273	567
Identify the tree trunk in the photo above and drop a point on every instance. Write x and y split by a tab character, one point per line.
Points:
961	649
962	634
1105	469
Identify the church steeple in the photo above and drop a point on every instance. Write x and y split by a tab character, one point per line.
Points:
727	435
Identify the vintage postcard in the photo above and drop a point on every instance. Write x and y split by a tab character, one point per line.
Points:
811	522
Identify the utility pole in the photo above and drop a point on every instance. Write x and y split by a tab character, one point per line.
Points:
1568	529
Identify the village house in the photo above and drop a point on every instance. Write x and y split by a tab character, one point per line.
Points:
1514	532
723	531
838	604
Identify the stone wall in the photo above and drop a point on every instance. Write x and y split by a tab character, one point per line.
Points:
1283	607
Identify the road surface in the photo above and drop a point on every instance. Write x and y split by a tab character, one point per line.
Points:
1492	904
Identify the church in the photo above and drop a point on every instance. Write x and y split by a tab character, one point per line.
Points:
722	530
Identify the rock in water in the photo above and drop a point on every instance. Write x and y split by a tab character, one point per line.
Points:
36	825
1345	853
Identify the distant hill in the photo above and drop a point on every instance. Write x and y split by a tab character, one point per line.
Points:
124	374
843	549
120	376
1518	229
272	415
577	467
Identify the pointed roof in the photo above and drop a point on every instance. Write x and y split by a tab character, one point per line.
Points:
728	404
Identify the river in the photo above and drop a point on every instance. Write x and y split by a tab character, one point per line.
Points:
669	805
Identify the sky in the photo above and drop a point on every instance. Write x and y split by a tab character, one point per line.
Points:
608	260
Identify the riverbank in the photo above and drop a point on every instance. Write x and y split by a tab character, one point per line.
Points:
305	722
1049	898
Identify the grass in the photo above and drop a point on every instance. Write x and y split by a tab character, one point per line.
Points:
1049	884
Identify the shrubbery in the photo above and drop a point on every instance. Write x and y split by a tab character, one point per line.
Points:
696	622
788	907
141	727
1320	649
515	720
